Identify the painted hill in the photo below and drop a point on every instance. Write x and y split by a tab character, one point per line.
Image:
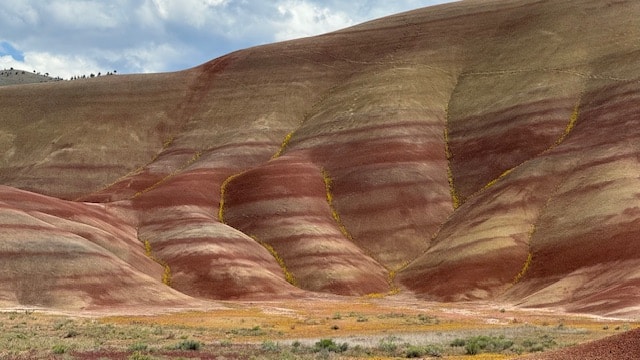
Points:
481	150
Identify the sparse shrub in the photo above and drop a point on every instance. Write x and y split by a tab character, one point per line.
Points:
330	345
540	344
518	349
477	344
426	319
269	345
472	348
225	343
414	352
138	347
139	356
536	348
499	344
388	345
188	345
254	331
458	342
433	350
59	349
71	333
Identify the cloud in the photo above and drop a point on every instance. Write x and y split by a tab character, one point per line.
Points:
304	18
56	65
76	15
70	37
20	14
194	13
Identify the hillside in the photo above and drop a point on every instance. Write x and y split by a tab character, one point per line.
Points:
16	77
479	150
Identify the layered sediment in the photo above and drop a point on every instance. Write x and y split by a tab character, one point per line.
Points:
469	151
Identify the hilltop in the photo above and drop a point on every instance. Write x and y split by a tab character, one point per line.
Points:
473	151
16	76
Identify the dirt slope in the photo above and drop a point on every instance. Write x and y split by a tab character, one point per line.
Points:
619	347
475	150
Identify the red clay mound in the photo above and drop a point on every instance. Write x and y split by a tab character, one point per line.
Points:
475	150
624	346
63	254
286	205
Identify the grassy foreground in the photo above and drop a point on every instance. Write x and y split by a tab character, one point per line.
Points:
361	329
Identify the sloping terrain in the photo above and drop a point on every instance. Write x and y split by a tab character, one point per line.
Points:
480	150
622	346
14	76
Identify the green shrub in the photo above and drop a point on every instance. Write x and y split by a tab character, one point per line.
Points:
388	344
458	342
425	319
59	349
433	350
139	356
188	345
330	345
518	349
482	343
414	352
472	348
138	347
271	346
539	344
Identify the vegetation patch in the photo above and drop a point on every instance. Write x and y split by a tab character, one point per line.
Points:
258	332
188	345
500	344
330	346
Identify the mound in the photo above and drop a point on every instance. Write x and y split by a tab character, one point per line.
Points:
475	150
14	77
624	346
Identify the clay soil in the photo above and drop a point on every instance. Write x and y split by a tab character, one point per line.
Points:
367	328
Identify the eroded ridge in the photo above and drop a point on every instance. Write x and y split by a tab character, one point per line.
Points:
493	159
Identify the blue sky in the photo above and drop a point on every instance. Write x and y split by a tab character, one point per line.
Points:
74	37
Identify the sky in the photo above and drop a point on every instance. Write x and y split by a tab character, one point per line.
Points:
68	38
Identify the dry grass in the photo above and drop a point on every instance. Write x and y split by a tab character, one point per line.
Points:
372	328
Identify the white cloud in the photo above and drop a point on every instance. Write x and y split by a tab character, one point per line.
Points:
195	13
21	14
303	18
150	58
83	14
56	65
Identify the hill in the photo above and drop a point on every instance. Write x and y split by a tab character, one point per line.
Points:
14	77
480	150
